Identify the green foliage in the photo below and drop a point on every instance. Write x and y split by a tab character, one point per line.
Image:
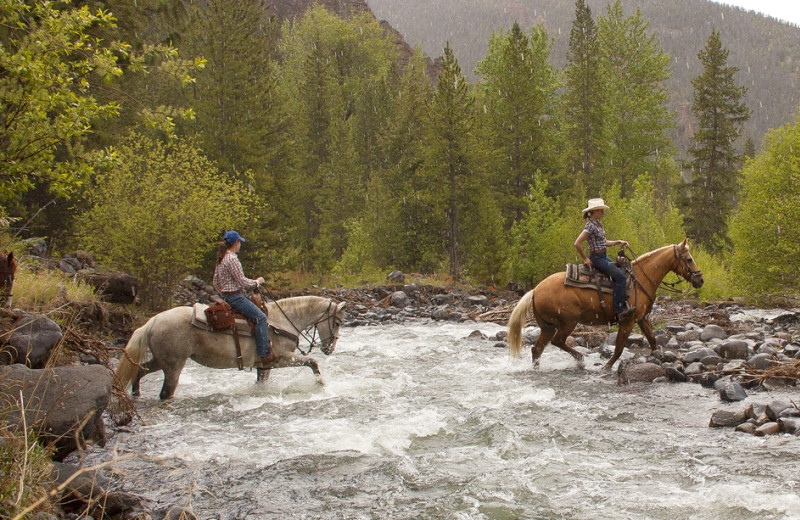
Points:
764	232
638	116
518	95
157	209
643	219
719	108
541	243
328	65
47	57
719	281
586	103
26	474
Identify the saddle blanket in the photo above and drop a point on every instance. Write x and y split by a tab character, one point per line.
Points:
199	320
581	276
242	324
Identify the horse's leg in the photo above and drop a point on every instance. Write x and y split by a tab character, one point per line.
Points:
622	338
262	374
647	329
148	367
560	340
171	376
545	333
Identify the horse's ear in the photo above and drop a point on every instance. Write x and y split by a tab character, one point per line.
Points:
685	243
340	307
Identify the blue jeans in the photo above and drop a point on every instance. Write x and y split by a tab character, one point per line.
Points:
250	311
603	264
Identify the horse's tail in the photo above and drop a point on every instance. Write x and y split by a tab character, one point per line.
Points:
518	318
133	355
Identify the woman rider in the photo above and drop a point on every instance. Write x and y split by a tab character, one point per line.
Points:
232	284
594	234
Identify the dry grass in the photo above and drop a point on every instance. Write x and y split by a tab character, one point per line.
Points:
37	290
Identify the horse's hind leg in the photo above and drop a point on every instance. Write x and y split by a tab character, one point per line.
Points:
146	368
545	334
171	377
560	340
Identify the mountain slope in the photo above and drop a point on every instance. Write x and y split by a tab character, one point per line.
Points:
766	50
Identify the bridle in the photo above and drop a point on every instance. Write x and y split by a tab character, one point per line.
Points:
668	286
311	332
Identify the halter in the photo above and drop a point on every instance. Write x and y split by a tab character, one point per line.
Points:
333	324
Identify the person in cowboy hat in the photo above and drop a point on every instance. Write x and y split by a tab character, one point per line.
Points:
231	283
595	235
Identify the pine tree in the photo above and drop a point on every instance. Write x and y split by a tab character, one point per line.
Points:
518	93
638	116
449	163
720	114
586	103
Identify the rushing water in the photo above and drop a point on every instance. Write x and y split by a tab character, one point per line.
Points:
418	421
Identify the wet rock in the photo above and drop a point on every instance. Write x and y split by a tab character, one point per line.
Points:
639	373
65	403
396	276
400	299
774	408
687	336
755	410
760	361
479	300
693	369
770	428
31	342
789	425
476	334
733	349
712	331
730	391
746	427
711	361
675	375
696	355
727	418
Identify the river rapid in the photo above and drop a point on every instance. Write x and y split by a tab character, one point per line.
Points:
417	420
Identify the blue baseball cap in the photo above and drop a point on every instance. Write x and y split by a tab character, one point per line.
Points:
230	237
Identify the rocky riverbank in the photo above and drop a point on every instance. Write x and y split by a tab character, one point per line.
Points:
721	345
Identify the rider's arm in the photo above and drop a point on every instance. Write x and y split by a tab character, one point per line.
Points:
579	246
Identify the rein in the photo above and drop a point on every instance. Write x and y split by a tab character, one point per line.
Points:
312	337
667	286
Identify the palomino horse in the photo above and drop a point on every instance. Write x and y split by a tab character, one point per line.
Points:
8	268
172	339
558	308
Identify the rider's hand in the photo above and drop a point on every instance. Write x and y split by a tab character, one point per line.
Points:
260	280
587	262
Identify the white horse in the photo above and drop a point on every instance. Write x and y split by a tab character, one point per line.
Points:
171	339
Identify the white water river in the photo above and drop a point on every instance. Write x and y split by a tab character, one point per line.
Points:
417	421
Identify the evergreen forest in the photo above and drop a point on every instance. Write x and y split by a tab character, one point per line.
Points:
140	131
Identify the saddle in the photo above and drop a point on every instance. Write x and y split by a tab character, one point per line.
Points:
584	277
218	316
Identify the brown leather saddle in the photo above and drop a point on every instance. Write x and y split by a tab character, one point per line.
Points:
584	277
220	316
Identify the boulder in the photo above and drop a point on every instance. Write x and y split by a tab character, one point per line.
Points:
733	349
63	404
396	276
712	331
697	354
639	373
400	300
115	287
730	391
31	342
727	418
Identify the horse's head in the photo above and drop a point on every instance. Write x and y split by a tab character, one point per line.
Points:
8	267
328	327
685	265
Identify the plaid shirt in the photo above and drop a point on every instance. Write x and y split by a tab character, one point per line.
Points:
597	235
229	276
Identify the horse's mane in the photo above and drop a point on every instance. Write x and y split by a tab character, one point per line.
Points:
294	302
647	255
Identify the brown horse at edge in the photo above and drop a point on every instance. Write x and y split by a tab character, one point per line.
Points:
558	308
8	268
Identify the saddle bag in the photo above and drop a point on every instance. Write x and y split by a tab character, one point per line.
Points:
220	315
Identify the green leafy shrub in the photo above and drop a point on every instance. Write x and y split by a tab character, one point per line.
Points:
157	209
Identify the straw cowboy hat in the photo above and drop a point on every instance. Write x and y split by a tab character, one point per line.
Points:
595	204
